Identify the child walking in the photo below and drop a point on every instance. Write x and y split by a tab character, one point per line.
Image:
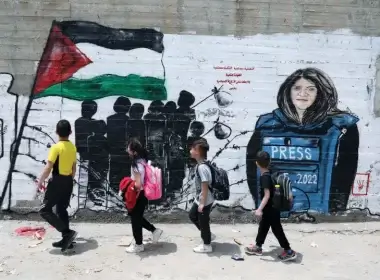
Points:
200	211
139	158
61	163
270	217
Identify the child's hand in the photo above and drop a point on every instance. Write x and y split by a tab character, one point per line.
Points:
258	213
200	208
40	186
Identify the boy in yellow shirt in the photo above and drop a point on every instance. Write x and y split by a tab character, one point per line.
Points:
62	164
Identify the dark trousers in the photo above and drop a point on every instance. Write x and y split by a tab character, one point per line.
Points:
202	221
137	219
58	194
271	219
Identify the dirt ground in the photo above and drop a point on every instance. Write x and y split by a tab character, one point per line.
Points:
325	251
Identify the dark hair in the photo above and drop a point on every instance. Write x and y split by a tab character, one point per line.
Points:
202	145
326	101
263	159
156	106
89	108
135	146
136	111
63	128
169	108
197	126
185	99
122	105
98	127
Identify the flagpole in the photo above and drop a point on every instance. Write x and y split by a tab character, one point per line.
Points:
17	143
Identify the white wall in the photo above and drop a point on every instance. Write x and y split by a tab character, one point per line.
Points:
190	63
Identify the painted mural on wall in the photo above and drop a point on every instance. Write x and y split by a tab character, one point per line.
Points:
114	84
309	139
8	127
72	68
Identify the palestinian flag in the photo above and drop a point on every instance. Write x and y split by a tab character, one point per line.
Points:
84	60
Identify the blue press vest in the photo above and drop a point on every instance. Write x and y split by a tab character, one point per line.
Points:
307	153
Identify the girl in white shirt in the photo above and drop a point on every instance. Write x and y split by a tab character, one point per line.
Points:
139	158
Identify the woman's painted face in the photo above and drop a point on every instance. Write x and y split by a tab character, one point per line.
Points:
303	94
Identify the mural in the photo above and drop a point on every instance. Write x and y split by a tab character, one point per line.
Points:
12	107
8	128
114	84
309	139
71	68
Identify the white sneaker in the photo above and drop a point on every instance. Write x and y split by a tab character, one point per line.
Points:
203	249
156	235
213	237
133	248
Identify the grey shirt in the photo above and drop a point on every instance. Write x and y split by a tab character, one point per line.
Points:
203	175
140	169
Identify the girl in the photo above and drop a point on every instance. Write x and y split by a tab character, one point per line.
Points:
139	158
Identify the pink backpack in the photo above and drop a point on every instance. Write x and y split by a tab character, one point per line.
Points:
152	182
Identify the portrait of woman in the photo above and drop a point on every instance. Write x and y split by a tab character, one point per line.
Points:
311	140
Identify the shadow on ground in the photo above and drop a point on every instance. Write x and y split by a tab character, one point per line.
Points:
275	252
81	246
224	249
158	249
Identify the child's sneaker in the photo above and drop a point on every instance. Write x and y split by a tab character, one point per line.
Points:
253	250
156	235
133	248
203	249
68	239
59	244
288	255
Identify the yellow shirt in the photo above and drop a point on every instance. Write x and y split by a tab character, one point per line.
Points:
63	155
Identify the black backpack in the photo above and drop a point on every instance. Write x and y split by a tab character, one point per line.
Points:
282	203
220	186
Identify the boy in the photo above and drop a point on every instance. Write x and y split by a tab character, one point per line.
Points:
200	211
62	163
270	217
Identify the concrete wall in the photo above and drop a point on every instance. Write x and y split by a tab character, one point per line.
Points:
332	158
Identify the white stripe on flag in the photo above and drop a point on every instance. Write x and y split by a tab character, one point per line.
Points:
141	61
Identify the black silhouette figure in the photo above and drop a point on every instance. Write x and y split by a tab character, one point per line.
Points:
98	160
120	164
155	126
178	122
169	112
185	100
173	150
184	115
83	127
136	125
196	130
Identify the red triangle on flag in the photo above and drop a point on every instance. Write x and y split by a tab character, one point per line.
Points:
60	60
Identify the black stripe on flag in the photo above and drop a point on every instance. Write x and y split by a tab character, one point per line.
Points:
112	38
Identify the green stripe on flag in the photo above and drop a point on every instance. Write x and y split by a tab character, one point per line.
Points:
134	86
